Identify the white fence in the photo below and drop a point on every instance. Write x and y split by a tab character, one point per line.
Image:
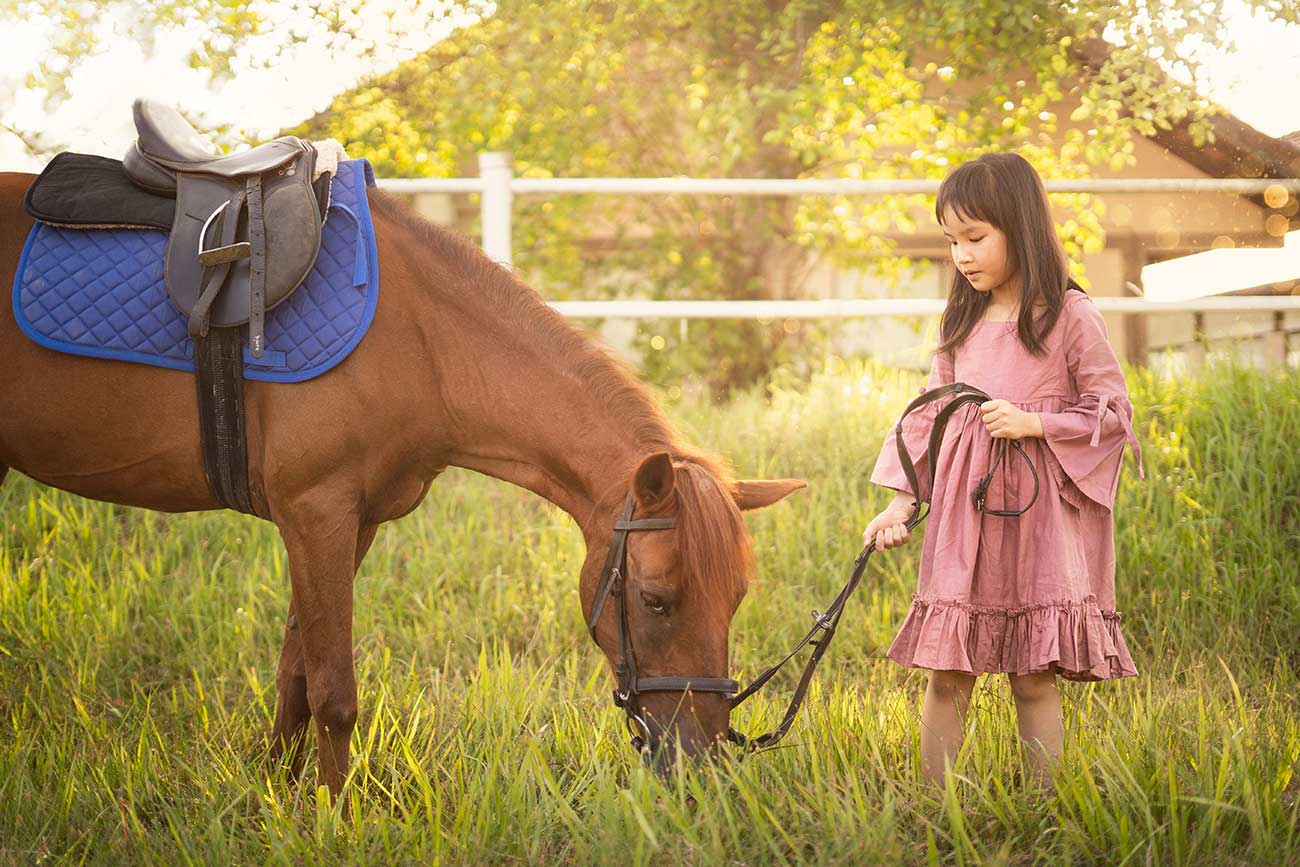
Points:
498	186
866	307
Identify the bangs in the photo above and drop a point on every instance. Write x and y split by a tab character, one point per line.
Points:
971	193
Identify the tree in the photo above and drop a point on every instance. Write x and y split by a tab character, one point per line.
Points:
221	37
758	88
753	88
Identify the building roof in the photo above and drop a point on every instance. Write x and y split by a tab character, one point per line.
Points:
1238	150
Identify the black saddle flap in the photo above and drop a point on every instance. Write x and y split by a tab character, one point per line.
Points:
88	191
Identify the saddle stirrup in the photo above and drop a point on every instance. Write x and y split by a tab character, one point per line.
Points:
216	261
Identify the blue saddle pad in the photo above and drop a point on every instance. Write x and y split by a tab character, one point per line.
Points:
100	292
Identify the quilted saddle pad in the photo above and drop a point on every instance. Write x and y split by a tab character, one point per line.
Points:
100	293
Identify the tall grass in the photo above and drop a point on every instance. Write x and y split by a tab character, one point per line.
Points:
137	656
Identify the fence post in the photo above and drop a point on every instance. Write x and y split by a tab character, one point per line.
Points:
496	168
1275	342
1196	349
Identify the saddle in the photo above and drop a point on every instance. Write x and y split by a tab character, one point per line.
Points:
247	226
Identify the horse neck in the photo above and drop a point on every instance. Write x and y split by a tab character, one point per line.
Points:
533	424
523	408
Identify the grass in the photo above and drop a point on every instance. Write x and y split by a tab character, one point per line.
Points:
137	656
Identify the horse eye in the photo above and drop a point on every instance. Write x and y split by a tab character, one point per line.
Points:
654	603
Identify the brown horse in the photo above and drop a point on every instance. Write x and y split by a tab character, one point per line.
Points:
463	366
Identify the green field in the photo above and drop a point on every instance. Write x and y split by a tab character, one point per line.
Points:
137	658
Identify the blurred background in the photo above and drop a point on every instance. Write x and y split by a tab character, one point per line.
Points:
137	650
893	91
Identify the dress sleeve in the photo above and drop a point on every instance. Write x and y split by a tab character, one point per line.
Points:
1086	439
888	471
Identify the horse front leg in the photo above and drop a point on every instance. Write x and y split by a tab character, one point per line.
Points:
292	713
292	709
321	539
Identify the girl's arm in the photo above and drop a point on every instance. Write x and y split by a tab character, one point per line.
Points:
1087	438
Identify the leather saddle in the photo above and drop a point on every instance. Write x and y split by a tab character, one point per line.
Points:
247	227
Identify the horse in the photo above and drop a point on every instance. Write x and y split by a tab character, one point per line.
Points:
464	365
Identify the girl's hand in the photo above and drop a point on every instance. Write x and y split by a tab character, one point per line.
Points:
889	528
1005	420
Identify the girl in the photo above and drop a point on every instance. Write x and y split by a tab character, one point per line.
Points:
1034	595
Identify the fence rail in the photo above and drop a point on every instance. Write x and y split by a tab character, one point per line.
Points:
816	186
869	307
498	186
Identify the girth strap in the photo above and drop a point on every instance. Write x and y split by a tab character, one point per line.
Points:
219	379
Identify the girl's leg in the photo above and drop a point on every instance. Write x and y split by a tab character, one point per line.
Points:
943	720
1042	726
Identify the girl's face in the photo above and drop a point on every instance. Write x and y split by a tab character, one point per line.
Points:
979	250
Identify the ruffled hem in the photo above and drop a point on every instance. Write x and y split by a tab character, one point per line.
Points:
1077	640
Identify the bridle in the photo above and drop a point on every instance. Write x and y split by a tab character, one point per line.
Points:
613	584
630	682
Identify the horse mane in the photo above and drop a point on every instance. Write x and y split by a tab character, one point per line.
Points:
710	526
711	534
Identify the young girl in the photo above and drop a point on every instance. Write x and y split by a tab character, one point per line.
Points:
1034	595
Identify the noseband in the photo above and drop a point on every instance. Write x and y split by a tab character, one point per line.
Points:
613	583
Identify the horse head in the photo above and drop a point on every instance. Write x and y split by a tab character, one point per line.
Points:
660	595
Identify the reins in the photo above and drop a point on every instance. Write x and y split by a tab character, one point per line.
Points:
631	684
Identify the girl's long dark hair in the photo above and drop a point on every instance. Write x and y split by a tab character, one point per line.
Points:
1005	191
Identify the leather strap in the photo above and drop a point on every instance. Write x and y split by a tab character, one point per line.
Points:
681	684
819	636
965	394
256	267
630	683
646	524
219	378
214	277
824	625
224	255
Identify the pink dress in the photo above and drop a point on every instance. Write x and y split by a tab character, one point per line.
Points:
1035	592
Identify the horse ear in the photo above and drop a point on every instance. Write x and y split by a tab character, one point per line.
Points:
757	493
654	480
